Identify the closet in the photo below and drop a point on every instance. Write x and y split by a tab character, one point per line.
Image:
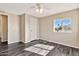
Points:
28	28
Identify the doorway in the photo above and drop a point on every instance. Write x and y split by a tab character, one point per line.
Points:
4	29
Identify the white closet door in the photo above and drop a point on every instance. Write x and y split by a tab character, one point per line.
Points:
33	28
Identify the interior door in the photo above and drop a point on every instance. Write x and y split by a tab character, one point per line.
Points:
33	28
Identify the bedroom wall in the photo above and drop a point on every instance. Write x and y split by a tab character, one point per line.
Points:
69	39
22	27
13	28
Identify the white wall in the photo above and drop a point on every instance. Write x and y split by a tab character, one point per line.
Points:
69	39
22	27
13	28
27	29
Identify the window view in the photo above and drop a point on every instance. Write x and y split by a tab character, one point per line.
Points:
62	25
58	25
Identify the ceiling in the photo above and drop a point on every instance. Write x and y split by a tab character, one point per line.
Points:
52	8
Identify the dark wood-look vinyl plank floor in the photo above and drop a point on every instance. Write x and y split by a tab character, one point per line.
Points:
17	49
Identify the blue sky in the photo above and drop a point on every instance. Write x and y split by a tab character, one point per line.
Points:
58	22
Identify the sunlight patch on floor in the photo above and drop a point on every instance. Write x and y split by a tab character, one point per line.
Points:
41	49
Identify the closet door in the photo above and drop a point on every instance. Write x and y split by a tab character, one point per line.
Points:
33	28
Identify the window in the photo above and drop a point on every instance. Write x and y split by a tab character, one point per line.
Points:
62	25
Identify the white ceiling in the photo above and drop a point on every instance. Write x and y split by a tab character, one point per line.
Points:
20	8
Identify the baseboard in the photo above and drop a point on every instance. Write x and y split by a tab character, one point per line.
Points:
61	44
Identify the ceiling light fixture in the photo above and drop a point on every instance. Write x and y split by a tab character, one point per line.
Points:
39	8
